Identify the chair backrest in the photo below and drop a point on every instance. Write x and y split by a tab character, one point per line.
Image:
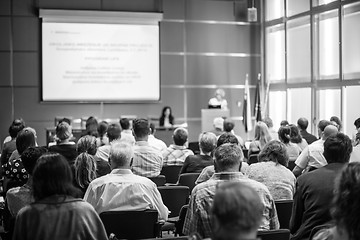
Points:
159	180
131	224
253	158
284	210
188	179
280	234
171	173
174	197
194	146
180	223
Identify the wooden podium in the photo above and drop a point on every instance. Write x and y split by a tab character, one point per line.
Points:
208	115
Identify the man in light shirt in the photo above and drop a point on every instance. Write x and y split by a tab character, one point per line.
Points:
126	132
121	190
113	133
155	142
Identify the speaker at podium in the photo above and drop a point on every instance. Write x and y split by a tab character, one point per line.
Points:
208	115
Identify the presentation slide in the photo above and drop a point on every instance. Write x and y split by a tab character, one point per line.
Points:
100	62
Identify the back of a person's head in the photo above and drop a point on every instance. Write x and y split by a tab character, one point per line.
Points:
274	151
125	123
228	156
52	176
207	142
329	130
336	121
227	138
357	123
16	126
236	212
346	201
262	132
269	122
25	138
87	144
85	169
284	123
322	124
102	128
295	136
228	125
30	156
121	154
284	134
63	131
337	148
91	126
113	132
303	123
180	136
218	123
141	127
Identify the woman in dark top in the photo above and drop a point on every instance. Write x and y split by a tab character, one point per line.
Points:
196	163
166	118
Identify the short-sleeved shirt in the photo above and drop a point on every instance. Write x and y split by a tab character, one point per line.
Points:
147	161
312	156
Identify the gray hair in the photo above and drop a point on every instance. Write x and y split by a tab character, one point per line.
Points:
121	154
207	142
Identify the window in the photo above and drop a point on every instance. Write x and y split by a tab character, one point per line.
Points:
277	107
275	53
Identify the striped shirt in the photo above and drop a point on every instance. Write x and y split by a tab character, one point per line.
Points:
175	155
147	161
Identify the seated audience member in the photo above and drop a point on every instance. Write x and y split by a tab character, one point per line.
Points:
228	158
56	213
16	126
355	155
262	137
114	133
218	124
102	139
64	145
302	125
91	127
357	127
176	153
155	142
293	150
196	163
126	132
147	161
15	173
269	123
209	171
236	212
19	197
229	127
85	171
312	157
314	190
166	119
296	138
345	207
272	171
121	190
87	144
336	122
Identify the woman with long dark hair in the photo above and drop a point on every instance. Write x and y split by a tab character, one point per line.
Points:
166	118
56	212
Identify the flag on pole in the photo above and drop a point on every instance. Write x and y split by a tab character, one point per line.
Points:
257	108
247	109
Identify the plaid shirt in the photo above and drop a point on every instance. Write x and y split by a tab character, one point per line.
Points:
175	155
147	161
198	215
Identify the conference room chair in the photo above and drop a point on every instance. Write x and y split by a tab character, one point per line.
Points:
253	158
179	223
280	234
174	197
171	173
159	180
131	224
188	179
291	165
194	146
284	210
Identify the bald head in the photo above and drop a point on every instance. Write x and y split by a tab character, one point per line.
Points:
328	131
